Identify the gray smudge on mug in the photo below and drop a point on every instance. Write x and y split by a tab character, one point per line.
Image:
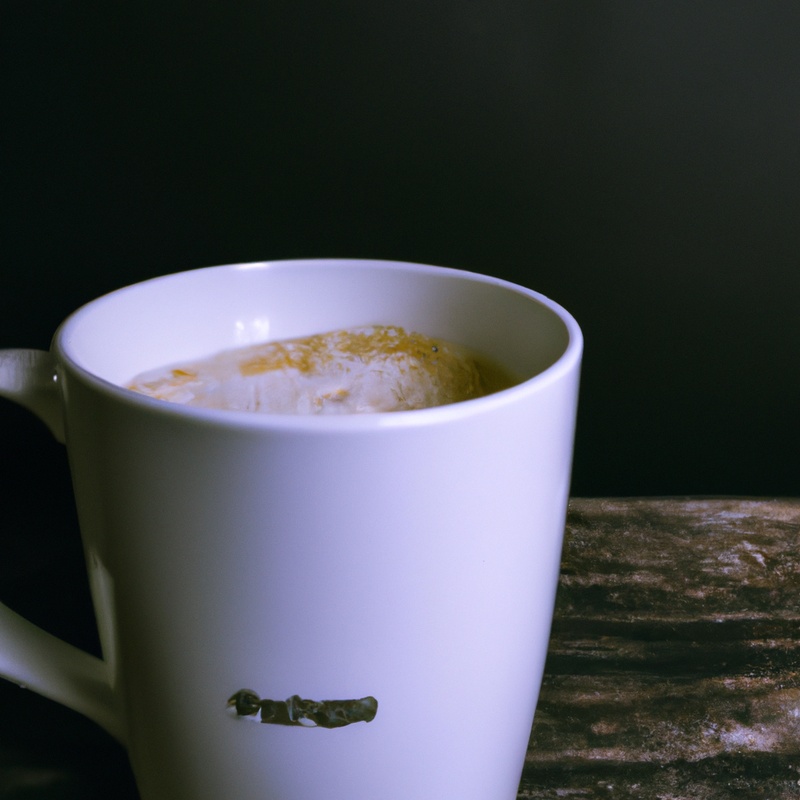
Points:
307	713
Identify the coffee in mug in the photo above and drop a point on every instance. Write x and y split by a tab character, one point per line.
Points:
341	606
372	369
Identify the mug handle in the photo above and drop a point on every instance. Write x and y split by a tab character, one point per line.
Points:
30	656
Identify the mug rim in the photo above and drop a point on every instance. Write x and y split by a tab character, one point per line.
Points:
567	362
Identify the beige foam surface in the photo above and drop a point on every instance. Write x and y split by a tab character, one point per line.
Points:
357	370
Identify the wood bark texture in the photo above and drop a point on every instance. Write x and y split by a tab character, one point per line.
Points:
674	664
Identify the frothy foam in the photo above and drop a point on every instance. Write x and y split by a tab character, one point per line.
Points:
353	371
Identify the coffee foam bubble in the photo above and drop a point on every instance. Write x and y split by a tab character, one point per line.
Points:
352	371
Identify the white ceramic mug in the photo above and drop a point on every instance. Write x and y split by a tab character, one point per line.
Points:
403	564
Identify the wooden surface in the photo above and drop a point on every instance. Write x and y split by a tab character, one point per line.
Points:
674	665
673	673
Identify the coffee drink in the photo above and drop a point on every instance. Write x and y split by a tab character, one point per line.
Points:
349	371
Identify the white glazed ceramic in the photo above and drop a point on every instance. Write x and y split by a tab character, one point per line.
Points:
412	557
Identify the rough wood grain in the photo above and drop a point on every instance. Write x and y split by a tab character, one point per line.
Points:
674	665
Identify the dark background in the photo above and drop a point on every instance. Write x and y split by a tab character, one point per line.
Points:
637	162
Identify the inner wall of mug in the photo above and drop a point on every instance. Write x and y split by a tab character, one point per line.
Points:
194	314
